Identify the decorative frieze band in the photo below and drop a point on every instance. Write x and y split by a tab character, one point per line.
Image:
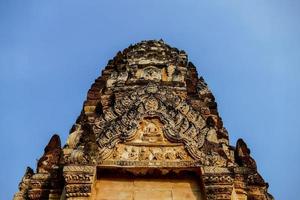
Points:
127	163
78	190
79	168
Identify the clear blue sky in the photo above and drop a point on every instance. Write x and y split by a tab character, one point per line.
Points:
248	52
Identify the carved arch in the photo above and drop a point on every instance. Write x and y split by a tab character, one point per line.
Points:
181	123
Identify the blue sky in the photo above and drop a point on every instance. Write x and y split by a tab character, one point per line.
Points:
247	51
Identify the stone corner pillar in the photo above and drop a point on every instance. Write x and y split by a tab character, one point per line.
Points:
78	181
218	185
240	188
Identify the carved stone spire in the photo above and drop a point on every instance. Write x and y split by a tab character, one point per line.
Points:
148	114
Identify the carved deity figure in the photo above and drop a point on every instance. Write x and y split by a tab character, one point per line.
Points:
151	73
151	131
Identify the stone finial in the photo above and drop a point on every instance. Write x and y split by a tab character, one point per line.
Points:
242	155
51	156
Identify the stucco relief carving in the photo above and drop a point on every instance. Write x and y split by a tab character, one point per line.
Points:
149	153
149	131
74	136
149	73
165	73
152	112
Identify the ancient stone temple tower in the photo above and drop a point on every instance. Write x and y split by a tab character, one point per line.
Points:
149	130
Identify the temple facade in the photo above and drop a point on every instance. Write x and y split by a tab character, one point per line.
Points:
149	130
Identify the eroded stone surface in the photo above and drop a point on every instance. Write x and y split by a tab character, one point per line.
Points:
150	114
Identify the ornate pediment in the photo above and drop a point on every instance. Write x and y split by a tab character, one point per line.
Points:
150	115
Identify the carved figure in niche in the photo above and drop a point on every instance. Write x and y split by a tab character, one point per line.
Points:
170	71
151	73
178	76
151	131
133	154
144	154
157	154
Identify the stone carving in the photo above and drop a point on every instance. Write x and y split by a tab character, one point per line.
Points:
218	178
151	131
150	111
47	181
51	155
180	155
212	136
179	122
255	179
78	190
78	178
144	154
137	152
242	155
74	136
150	73
77	157
24	185
173	155
79	168
152	163
111	81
